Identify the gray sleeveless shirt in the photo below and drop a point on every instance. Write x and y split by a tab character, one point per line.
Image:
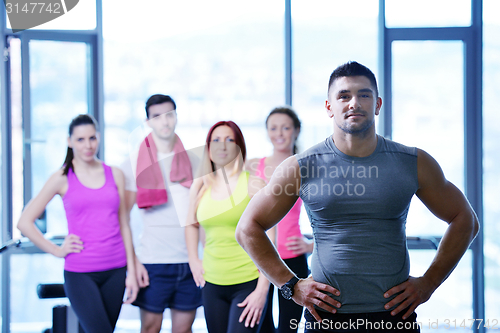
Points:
357	207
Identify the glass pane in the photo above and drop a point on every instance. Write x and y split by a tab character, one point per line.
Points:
28	312
58	93
491	158
427	13
428	110
17	132
79	17
323	38
315	58
216	64
451	301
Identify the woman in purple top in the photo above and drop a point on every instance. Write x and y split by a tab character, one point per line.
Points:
283	128
98	250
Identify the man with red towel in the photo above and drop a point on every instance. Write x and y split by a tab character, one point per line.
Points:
160	187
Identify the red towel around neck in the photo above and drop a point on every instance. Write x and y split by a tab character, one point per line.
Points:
150	184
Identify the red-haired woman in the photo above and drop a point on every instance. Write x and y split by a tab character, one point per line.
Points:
234	292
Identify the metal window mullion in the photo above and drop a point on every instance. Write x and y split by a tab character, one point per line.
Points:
58	36
26	125
384	61
473	156
288	52
6	170
6	233
3	21
26	116
449	33
95	91
98	18
387	103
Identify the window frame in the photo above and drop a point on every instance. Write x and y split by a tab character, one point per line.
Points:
93	38
472	37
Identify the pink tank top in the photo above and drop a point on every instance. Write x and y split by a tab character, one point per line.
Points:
289	225
92	215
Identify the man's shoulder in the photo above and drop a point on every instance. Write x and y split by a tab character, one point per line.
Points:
396	147
318	149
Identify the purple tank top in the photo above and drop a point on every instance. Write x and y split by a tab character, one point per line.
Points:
92	215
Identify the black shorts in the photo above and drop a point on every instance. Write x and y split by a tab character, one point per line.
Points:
170	286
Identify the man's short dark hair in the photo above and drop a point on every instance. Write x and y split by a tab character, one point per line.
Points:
353	68
158	99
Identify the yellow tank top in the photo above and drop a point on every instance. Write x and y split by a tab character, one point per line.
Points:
224	260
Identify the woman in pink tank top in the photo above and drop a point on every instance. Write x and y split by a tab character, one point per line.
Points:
283	128
98	250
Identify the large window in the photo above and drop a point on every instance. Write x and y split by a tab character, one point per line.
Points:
491	159
322	39
58	90
427	13
51	76
219	60
431	70
428	113
28	312
58	93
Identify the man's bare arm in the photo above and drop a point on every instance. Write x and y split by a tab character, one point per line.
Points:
264	211
448	203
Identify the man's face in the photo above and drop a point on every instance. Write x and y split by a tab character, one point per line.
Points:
162	119
353	104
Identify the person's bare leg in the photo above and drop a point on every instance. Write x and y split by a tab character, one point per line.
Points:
182	320
151	321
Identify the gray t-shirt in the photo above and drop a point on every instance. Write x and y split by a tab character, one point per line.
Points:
358	207
162	240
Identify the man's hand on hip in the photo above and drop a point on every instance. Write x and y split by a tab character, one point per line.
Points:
413	292
310	293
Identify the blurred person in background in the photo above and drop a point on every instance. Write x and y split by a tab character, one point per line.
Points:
157	178
283	129
234	292
98	251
